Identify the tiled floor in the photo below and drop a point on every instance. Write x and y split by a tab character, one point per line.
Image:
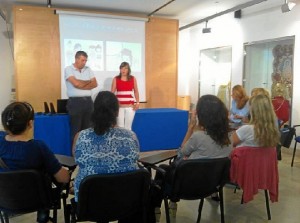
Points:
286	210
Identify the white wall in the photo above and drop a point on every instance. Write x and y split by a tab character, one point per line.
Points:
228	31
6	66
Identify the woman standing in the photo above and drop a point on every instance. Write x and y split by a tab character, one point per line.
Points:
126	89
239	108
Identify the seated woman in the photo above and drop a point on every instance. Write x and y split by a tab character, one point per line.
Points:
19	150
262	130
254	92
209	140
94	145
105	148
239	108
259	90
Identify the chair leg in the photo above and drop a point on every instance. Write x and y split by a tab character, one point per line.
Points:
242	200
66	208
267	204
67	213
54	217
221	205
200	209
294	152
1	217
4	217
167	210
73	214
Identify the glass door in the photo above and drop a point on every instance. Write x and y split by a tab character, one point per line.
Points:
215	73
269	64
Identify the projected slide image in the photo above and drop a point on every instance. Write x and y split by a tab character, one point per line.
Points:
93	48
117	52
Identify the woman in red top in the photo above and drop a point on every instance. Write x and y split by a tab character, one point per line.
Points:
125	87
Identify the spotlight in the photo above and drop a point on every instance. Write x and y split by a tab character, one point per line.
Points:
49	5
287	6
206	30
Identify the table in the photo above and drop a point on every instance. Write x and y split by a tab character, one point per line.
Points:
160	128
158	157
54	130
67	161
150	161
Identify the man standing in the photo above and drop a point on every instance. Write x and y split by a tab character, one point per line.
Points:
80	80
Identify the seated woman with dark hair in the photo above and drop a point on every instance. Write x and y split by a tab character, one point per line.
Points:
105	148
19	151
209	140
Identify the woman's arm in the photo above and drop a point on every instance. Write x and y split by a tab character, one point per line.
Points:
136	95
113	86
74	143
191	127
62	176
235	139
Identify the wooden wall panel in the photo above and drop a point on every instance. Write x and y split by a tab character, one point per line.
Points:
37	55
161	62
37	58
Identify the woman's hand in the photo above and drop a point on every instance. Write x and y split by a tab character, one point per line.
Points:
193	120
238	117
136	106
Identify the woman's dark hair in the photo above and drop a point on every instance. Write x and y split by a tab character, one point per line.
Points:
213	117
16	116
106	109
125	64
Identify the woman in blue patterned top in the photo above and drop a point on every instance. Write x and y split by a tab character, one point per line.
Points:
105	148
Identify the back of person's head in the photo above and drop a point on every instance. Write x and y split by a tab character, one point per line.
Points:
81	53
16	117
106	109
213	117
240	95
259	90
263	118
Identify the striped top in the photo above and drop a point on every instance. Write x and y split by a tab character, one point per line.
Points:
125	91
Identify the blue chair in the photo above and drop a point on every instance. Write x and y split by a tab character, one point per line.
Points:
297	140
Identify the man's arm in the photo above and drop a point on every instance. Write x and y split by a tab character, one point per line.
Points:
91	85
82	84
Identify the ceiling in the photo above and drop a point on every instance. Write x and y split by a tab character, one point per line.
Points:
186	11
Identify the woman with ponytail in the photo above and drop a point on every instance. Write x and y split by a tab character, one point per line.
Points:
105	148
